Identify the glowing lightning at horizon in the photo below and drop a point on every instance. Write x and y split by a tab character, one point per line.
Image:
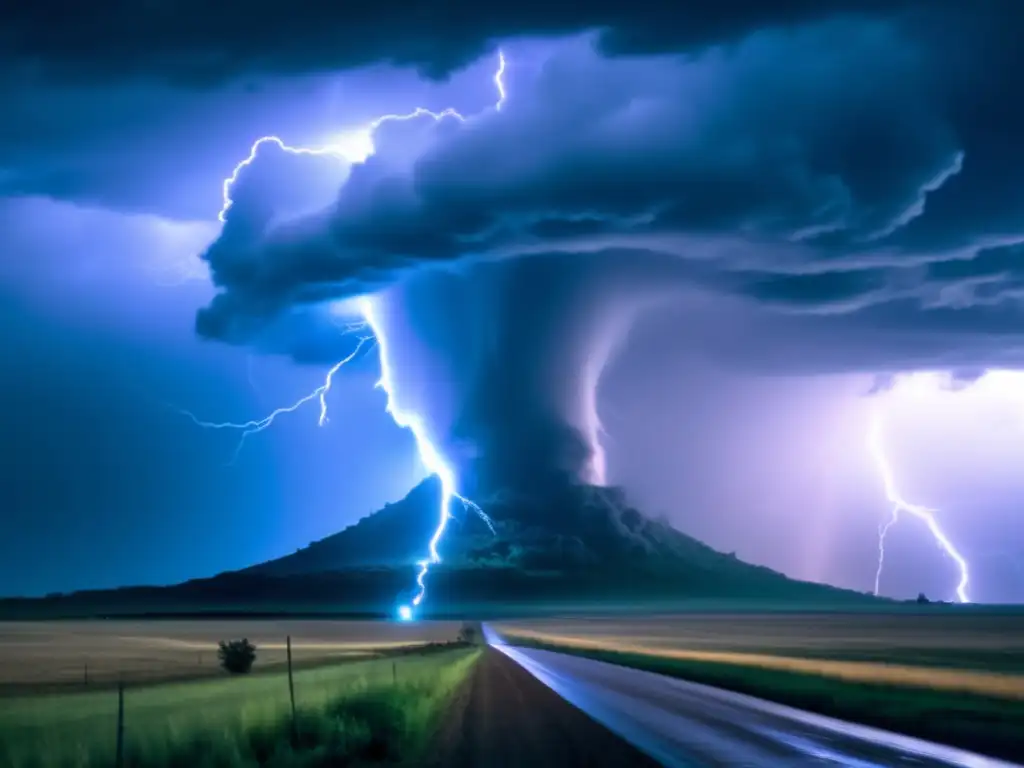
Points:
899	504
431	458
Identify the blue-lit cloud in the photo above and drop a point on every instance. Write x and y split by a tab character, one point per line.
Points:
792	174
821	185
797	169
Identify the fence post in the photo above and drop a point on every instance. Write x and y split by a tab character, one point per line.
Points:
394	672
119	758
291	693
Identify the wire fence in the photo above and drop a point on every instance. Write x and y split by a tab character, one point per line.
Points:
119	735
118	718
66	657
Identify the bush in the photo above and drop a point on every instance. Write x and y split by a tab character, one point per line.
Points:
236	656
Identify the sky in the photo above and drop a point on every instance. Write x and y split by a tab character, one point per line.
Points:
695	253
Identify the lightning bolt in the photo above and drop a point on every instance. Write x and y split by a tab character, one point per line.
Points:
899	504
247	428
499	82
429	456
356	148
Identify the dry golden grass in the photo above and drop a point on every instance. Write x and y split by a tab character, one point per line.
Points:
970	653
58	654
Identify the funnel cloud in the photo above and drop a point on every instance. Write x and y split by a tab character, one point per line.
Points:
512	393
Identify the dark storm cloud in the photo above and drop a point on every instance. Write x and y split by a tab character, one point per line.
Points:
835	291
197	42
810	146
841	183
503	389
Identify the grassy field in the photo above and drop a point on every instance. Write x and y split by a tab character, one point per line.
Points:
65	655
939	637
954	678
382	709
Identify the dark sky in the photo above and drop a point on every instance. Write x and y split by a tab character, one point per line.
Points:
735	236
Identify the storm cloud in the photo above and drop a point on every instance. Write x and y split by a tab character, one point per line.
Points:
792	188
194	43
509	392
798	169
813	175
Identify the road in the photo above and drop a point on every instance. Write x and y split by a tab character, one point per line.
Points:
506	718
679	723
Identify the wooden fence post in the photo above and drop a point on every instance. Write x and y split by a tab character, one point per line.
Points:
119	758
291	694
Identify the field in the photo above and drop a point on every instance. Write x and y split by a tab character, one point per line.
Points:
985	649
64	655
949	675
371	709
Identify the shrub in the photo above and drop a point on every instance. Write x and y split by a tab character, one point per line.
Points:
236	656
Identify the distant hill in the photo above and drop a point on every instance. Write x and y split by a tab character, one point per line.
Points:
578	529
575	546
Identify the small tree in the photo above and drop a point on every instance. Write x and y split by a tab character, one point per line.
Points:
922	599
236	656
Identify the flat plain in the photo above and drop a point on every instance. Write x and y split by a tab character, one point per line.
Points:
967	649
947	674
65	655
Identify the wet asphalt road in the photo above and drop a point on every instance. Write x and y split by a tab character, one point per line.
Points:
679	723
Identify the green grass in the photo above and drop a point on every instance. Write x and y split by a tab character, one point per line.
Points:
352	712
981	724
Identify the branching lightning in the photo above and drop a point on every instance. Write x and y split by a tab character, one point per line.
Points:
247	428
429	456
356	148
899	504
